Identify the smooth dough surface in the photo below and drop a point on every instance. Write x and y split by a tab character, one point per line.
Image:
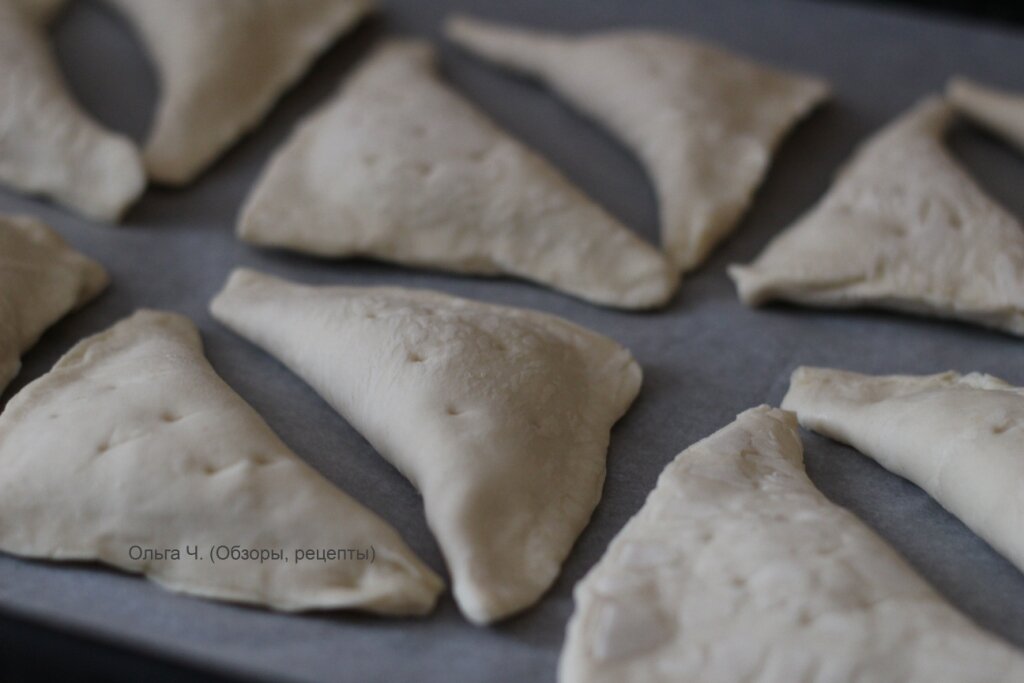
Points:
499	416
133	439
42	279
222	65
1000	111
400	167
960	438
904	227
48	145
738	569
705	122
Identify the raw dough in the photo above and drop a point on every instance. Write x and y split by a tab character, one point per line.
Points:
222	65
499	416
738	569
42	279
133	440
399	167
905	228
960	438
1000	111
704	121
48	145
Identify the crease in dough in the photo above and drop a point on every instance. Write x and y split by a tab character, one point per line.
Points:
903	227
49	146
705	122
738	569
399	167
222	65
500	417
133	440
42	279
1000	111
958	437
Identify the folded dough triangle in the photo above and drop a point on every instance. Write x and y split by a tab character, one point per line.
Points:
48	145
704	121
904	228
42	279
960	438
999	111
222	65
499	416
401	168
133	441
738	569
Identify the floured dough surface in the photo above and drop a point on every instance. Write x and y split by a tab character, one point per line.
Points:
499	416
738	569
904	227
400	167
959	437
1000	111
705	122
133	440
42	279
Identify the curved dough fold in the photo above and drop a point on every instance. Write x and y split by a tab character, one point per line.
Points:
133	440
999	111
499	416
738	569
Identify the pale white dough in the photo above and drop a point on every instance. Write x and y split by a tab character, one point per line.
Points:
400	167
705	122
499	416
222	65
48	145
738	569
960	438
42	279
1000	111
904	227
133	439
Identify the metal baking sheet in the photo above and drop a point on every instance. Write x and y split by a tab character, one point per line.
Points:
706	357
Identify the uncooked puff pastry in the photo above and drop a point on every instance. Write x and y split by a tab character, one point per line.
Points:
1000	111
738	569
904	227
705	122
222	65
133	440
960	438
499	416
42	279
399	167
48	145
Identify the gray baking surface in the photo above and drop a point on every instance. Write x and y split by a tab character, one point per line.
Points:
705	357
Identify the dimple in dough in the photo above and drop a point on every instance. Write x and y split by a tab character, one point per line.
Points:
133	440
42	279
222	65
401	168
1000	111
499	416
904	227
958	437
738	569
705	122
48	145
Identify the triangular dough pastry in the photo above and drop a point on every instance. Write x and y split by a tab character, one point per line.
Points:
399	167
222	65
499	416
999	111
960	438
705	122
738	569
48	145
42	279
904	227
133	443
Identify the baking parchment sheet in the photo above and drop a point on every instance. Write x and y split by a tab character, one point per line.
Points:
705	357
